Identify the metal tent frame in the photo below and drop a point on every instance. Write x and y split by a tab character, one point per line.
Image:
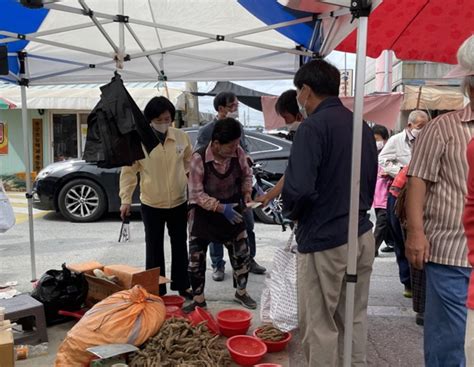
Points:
99	19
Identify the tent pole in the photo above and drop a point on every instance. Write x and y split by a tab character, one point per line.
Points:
353	246
26	147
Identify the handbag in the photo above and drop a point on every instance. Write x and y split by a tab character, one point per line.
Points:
279	302
7	216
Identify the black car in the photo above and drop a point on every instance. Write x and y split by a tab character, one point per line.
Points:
83	192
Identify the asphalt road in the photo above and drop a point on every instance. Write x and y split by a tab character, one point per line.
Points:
394	338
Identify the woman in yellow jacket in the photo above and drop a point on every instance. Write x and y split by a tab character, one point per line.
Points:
163	193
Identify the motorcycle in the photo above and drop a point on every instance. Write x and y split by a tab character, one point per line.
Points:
273	212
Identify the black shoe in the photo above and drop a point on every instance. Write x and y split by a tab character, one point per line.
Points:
192	306
388	249
218	274
245	300
186	293
420	319
256	268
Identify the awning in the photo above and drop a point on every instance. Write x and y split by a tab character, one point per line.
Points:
432	98
80	96
381	108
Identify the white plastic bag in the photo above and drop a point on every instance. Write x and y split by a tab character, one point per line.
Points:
7	217
279	302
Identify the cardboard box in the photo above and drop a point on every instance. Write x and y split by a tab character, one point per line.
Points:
100	289
128	276
86	268
7	357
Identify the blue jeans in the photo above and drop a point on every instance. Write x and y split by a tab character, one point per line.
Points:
399	242
445	315
216	250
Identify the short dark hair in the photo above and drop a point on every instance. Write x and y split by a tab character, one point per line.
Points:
286	103
158	105
322	77
226	130
380	130
223	99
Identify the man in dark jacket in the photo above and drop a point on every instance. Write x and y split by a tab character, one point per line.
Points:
316	194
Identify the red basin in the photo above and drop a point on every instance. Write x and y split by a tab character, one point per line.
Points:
246	350
275	346
199	315
234	318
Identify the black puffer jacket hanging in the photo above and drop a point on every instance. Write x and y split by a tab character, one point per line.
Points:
116	129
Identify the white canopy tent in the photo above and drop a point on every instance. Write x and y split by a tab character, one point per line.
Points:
84	41
187	40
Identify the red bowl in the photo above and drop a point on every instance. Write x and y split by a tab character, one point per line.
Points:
274	346
173	300
231	331
174	311
246	350
234	318
199	315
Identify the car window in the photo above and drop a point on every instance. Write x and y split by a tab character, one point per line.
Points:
257	145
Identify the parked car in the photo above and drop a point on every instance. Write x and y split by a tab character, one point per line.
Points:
83	192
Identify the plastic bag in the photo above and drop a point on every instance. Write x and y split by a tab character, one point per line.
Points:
127	317
7	216
125	231
279	302
60	290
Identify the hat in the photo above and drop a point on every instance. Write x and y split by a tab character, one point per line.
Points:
465	57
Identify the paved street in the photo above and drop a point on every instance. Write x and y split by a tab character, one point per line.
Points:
394	338
20	207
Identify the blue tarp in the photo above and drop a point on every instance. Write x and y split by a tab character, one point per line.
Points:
271	12
16	18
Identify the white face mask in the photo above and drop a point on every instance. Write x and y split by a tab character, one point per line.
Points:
162	128
302	107
233	115
380	144
415	132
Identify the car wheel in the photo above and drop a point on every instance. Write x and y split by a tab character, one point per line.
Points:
265	214
82	200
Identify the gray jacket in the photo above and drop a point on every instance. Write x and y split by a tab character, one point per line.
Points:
205	135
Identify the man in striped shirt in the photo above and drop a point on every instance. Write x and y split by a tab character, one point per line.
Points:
435	234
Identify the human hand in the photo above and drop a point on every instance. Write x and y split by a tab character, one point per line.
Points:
247	198
125	211
231	215
417	249
264	199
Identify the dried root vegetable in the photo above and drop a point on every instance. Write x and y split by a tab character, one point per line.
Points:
179	344
270	333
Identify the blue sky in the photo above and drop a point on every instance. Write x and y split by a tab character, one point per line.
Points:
276	87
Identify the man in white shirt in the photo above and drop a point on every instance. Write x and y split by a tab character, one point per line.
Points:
395	155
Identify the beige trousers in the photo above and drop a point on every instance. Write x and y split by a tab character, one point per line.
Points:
469	340
321	302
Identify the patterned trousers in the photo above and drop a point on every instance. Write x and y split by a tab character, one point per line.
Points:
239	256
